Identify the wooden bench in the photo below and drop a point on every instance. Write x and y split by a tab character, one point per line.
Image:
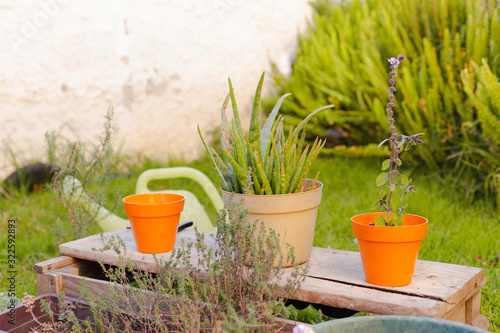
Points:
335	280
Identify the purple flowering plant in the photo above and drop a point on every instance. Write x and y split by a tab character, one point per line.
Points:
394	184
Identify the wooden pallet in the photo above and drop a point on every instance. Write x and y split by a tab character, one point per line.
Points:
335	279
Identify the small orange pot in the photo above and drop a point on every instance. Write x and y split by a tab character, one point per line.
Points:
389	254
154	218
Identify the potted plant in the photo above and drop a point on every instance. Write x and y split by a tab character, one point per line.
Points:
266	170
154	218
389	240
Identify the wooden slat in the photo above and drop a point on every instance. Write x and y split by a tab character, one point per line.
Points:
72	285
370	300
336	279
431	279
54	263
438	281
82	248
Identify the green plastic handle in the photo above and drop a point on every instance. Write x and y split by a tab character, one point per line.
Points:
180	172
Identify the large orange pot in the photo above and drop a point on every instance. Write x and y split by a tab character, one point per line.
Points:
154	218
389	254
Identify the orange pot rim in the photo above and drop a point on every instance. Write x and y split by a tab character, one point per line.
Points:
415	230
153	204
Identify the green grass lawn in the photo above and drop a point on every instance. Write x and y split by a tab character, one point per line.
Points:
457	233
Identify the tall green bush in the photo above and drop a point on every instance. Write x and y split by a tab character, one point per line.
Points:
340	60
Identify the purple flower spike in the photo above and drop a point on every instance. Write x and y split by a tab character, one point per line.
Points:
393	61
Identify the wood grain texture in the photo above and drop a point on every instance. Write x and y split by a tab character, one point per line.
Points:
336	279
54	263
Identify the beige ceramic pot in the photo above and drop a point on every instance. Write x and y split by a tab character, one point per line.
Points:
292	216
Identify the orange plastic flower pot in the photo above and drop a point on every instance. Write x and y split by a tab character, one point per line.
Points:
154	218
389	254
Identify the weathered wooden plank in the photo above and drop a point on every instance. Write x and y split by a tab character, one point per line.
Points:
82	248
54	263
370	300
336	279
440	281
48	283
434	280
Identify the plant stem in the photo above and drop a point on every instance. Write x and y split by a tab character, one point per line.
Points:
393	166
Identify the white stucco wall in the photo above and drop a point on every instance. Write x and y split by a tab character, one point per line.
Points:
162	64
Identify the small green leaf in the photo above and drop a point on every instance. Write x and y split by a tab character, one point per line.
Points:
380	221
395	204
382	178
386	164
391	222
404	179
398	221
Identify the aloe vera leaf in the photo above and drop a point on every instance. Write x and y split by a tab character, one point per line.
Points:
306	119
263	189
227	172
317	146
265	133
296	176
276	161
301	143
240	149
260	171
236	114
278	137
290	153
283	180
269	152
300	170
290	146
225	133
315	180
254	130
219	173
272	176
256	184
240	174
254	159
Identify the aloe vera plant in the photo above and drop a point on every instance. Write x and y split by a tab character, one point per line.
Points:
266	160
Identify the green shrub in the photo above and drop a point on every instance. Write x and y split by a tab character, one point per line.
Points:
340	60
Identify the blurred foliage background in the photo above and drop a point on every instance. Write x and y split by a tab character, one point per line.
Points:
448	87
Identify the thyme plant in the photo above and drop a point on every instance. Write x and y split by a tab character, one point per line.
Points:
394	184
83	173
221	283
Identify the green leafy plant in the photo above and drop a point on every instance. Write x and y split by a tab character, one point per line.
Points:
394	184
481	144
266	160
339	60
